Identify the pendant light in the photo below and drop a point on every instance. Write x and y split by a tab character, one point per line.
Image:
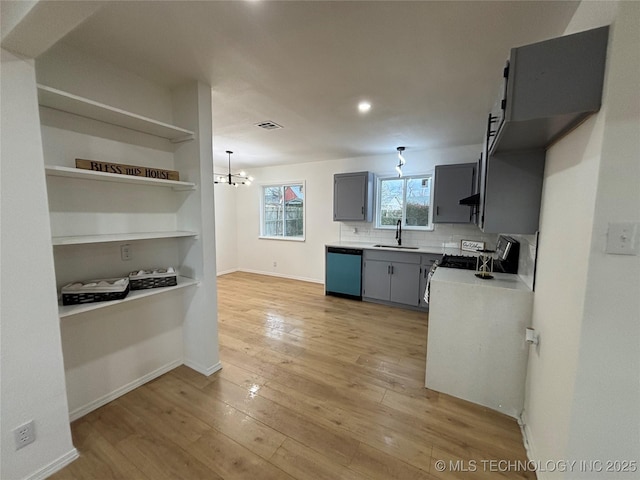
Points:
234	179
401	161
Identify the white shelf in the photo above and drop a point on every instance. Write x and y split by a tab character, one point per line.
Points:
69	310
57	171
118	237
67	102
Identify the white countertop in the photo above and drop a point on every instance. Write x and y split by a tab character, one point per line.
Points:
468	277
436	249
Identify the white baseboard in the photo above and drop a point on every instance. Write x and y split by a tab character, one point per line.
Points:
281	275
527	440
203	370
82	411
54	466
226	272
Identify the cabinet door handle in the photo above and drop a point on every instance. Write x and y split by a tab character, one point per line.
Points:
388	269
391	269
438	210
362	210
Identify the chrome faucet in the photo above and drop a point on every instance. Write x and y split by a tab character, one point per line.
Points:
399	232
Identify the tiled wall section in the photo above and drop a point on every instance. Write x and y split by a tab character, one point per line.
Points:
527	261
443	235
448	235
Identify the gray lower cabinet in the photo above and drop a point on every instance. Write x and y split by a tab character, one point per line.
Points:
392	277
404	284
376	279
452	184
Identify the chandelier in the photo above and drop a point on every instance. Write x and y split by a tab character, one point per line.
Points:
234	179
401	161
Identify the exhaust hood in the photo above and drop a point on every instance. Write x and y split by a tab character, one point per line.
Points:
472	200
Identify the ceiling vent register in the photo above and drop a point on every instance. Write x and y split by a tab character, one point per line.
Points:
268	125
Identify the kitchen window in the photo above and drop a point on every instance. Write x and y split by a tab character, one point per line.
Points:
404	198
282	211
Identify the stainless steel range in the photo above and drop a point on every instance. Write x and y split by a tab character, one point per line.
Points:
505	257
505	260
458	261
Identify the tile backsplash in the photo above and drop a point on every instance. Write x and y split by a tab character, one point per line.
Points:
527	260
444	235
448	235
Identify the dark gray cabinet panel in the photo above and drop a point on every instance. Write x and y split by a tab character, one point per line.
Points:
405	284
551	87
510	200
353	196
376	281
453	183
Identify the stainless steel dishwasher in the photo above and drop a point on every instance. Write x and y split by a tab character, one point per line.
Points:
343	272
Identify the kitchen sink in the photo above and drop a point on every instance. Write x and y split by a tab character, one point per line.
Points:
395	246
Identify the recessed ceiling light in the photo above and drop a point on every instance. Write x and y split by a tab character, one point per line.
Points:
364	107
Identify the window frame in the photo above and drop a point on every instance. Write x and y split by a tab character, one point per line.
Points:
289	183
378	198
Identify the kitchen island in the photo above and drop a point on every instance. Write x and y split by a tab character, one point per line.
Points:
476	347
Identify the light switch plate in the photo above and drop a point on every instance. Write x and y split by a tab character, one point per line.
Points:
622	239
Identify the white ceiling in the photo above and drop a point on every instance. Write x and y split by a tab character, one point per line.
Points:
431	69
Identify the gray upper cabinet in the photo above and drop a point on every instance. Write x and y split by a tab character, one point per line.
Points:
353	196
549	88
511	192
453	183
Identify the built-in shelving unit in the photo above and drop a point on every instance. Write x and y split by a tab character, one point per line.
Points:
114	345
118	237
69	310
70	103
57	171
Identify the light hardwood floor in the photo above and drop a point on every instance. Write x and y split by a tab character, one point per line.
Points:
312	387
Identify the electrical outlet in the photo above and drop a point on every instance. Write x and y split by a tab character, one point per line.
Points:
125	252
24	435
622	239
275	264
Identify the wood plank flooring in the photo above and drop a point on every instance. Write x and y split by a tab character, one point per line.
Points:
312	387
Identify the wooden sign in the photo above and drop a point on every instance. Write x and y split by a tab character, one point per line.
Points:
471	245
122	169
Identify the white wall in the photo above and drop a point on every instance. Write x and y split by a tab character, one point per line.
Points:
583	384
305	260
192	108
33	384
73	71
565	238
605	421
226	228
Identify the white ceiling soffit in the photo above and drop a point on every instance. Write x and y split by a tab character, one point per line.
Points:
29	28
431	70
